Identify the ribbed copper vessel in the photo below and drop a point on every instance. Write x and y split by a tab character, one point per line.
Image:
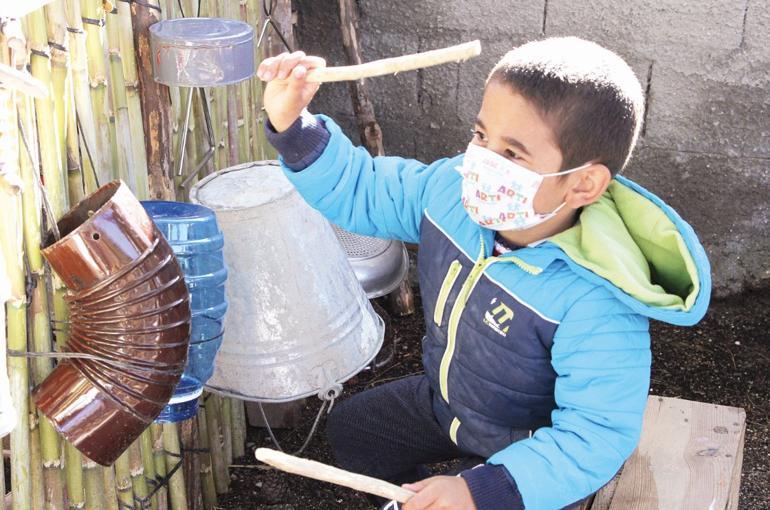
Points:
129	311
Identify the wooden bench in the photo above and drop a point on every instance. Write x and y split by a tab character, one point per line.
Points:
689	457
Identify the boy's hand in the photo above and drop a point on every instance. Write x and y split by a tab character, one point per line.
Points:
287	93
440	493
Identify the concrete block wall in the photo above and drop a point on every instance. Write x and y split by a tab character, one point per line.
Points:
705	64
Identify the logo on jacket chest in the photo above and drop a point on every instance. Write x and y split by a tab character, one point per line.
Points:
498	316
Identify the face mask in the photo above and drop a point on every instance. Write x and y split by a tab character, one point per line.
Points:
498	194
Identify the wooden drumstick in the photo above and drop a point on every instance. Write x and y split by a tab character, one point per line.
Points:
395	65
326	473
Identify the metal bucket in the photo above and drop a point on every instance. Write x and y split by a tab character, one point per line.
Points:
202	52
299	322
129	324
380	264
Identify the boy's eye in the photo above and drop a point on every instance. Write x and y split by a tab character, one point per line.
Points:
511	154
478	135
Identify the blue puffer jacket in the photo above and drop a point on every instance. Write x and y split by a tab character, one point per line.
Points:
551	339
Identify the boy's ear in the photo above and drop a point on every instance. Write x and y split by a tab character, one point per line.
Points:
588	186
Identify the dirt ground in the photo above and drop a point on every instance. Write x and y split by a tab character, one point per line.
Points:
725	360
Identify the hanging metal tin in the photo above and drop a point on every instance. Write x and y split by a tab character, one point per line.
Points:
202	52
129	324
299	322
193	234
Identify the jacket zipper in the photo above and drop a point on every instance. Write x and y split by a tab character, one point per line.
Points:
454	318
459	306
446	287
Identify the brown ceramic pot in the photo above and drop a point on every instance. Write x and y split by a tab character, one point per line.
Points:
130	308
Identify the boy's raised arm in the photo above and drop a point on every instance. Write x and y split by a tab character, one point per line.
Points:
381	196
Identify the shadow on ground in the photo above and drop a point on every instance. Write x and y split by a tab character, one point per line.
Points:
725	360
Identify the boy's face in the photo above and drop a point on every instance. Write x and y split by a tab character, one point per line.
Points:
511	126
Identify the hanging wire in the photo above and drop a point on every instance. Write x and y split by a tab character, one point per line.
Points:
36	165
268	10
88	152
310	434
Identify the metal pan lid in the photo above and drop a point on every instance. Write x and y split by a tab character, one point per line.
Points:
192	32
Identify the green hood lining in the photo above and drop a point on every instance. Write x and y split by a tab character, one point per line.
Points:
627	239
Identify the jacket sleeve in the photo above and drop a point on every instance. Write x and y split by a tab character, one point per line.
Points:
374	196
601	355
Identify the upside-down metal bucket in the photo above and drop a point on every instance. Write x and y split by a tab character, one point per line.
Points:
299	322
202	52
129	324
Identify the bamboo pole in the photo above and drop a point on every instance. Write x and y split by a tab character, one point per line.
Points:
110	489
139	157
207	477
216	445
73	459
91	150
93	482
97	75
75	183
37	483
149	464
253	17
97	78
227	428
11	242
188	432
39	310
156	110
176	487
244	126
48	139
57	40
160	463
125	154
138	481
123	481
239	427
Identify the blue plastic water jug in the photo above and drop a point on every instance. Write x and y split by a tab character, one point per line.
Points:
194	235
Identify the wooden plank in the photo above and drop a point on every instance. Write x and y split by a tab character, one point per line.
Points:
735	483
603	499
685	459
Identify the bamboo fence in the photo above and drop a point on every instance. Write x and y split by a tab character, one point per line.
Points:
91	57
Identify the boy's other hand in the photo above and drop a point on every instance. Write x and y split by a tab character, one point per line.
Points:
440	493
287	93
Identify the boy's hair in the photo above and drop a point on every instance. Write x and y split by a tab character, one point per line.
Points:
587	94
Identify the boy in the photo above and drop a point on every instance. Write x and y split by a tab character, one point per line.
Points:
539	270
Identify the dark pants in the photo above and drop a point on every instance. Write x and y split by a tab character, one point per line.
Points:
390	432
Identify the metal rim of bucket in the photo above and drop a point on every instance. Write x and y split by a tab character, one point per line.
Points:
340	380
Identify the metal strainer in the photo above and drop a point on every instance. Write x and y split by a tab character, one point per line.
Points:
380	265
